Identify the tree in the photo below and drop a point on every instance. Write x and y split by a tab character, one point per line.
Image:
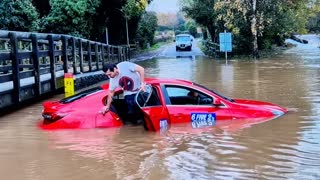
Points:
271	21
167	19
313	24
255	24
146	28
72	17
43	7
82	18
133	10
112	14
18	16
202	12
191	27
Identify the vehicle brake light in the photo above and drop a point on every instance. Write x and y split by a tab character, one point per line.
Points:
58	116
50	118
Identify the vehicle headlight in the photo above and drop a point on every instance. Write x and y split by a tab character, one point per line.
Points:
277	112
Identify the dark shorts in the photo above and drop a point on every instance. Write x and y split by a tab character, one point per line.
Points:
131	103
134	114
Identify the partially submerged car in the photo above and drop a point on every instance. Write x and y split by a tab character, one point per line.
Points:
165	102
183	42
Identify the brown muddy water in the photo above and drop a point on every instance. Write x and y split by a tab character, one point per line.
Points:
284	148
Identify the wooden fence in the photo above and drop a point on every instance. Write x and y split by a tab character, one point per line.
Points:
32	64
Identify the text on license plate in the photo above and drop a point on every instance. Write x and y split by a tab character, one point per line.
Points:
199	120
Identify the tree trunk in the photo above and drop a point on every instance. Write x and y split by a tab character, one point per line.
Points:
255	51
211	31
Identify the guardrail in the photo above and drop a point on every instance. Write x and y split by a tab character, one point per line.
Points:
32	64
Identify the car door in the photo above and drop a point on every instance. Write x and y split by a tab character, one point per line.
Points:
155	113
110	118
189	105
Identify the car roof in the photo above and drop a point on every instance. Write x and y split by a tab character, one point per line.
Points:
167	81
160	81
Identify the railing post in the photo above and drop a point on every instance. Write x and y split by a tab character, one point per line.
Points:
74	59
89	56
123	58
52	63
119	54
97	55
36	64
81	55
123	54
127	53
112	54
15	67
65	54
109	53
102	54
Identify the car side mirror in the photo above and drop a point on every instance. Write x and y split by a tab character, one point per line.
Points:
191	40
217	102
174	40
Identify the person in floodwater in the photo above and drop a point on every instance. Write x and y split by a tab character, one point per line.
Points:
128	76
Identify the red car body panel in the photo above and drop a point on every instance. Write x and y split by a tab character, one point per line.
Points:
82	113
82	110
181	114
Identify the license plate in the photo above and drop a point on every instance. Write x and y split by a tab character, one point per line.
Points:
199	120
163	125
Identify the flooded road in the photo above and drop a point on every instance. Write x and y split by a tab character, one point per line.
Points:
284	148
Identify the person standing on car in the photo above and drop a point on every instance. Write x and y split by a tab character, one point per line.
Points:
128	76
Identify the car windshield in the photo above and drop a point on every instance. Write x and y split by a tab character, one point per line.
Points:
228	99
79	95
183	38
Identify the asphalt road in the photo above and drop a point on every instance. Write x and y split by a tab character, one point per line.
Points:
170	51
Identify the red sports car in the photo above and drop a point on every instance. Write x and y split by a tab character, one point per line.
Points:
164	103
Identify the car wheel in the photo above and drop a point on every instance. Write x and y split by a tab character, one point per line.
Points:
177	48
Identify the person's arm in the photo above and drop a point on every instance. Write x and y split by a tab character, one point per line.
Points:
109	100
140	70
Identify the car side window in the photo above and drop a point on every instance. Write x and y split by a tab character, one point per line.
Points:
179	95
148	98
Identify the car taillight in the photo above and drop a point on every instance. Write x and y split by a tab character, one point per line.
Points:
50	118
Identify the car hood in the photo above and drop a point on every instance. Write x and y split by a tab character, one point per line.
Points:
183	42
252	104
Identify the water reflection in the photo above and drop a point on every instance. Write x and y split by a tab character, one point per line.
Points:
182	152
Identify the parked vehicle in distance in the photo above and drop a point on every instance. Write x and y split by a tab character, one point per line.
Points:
183	42
164	103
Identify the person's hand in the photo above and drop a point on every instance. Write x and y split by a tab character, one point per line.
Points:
104	110
143	87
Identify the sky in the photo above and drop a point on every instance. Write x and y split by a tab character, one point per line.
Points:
164	6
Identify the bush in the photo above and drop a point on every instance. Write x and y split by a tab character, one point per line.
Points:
18	16
146	29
